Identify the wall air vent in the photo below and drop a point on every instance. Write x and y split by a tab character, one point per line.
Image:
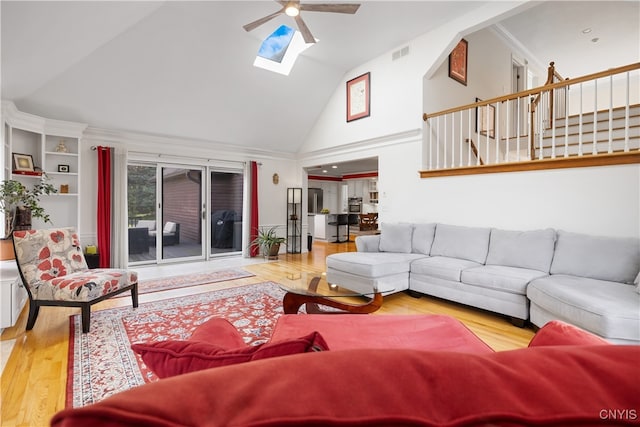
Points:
400	53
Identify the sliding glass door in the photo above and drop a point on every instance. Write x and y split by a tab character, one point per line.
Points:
142	210
182	211
226	211
176	215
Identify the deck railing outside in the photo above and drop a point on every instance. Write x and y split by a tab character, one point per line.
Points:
587	116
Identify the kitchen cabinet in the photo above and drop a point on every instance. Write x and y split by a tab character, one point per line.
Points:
372	192
324	231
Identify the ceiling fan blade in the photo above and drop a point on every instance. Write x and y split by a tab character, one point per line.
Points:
306	33
255	24
350	8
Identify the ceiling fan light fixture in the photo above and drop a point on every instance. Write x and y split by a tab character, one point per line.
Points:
292	10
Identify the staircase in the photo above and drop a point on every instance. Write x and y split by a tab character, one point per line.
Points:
570	137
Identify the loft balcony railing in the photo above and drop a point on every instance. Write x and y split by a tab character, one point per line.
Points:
586	121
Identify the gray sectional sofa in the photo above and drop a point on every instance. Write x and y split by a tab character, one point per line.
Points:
537	275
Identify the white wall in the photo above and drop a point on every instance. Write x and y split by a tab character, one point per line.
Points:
596	200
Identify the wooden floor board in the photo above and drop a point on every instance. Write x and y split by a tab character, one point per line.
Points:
33	383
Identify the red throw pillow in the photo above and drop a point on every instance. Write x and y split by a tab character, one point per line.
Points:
169	358
220	332
556	332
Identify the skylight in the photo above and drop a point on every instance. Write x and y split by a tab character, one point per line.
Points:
280	50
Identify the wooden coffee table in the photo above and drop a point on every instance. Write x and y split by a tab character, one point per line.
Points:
314	291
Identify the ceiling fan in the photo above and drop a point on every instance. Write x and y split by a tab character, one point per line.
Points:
293	9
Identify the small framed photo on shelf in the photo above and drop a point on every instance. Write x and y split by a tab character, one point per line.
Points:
359	97
23	162
63	168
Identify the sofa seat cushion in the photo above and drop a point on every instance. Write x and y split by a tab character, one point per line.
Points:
542	386
372	264
609	309
442	267
508	279
351	331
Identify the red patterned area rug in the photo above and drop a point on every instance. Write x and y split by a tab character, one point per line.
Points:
101	362
186	280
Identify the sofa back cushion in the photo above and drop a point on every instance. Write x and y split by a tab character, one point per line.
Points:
396	237
616	259
542	386
524	249
456	241
423	238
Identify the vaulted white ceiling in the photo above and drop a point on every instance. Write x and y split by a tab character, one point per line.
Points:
185	68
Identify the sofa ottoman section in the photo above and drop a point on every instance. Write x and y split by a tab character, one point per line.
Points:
364	271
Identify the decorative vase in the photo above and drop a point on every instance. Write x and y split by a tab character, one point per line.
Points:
61	148
6	249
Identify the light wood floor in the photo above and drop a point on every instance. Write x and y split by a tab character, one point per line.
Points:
34	380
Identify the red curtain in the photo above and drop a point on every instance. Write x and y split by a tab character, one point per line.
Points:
104	206
254	209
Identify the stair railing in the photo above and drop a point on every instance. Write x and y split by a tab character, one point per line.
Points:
598	118
474	150
550	99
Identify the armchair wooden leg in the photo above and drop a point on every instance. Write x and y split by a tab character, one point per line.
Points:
86	317
134	295
34	309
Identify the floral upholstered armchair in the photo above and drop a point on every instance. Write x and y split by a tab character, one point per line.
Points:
55	273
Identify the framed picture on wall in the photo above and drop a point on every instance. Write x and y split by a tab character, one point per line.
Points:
359	97
458	62
486	120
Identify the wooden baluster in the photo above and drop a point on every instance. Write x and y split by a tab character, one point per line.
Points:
496	132
518	102
626	119
444	147
461	137
553	127
507	120
469	145
594	149
566	126
430	144
610	145
453	144
580	125
438	142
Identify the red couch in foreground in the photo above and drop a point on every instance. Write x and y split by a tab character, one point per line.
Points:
566	377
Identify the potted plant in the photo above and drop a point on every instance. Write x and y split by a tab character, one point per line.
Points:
14	195
268	242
